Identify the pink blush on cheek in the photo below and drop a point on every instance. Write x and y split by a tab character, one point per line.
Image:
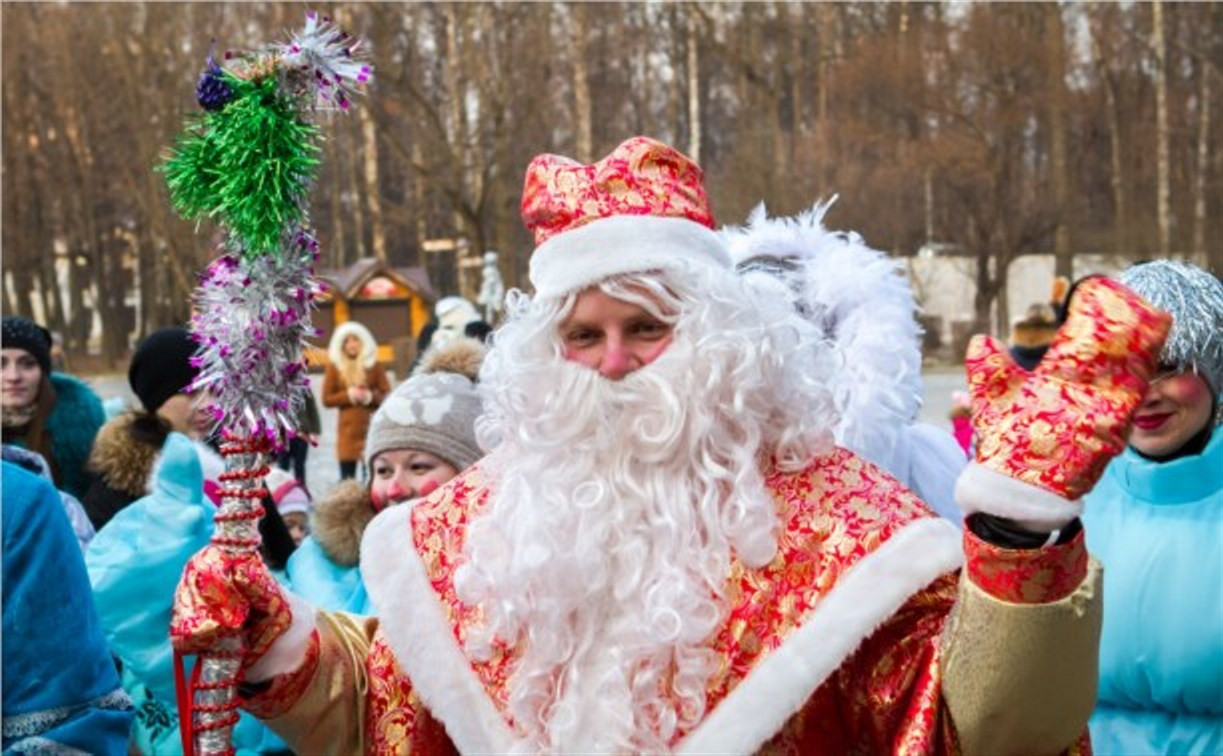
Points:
378	499
662	347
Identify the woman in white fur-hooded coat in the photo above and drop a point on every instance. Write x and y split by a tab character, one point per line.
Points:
356	384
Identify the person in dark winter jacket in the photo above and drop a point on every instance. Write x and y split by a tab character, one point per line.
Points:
50	413
127	447
422	436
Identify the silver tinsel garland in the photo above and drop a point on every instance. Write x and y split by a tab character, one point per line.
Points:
1194	298
251	319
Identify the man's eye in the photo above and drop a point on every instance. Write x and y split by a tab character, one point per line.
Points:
581	337
651	328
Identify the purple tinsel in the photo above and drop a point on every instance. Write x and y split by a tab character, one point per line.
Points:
212	92
324	63
252	318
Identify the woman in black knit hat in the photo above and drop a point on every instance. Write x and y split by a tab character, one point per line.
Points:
126	452
127	447
50	413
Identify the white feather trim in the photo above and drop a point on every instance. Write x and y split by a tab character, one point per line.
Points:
980	489
864	305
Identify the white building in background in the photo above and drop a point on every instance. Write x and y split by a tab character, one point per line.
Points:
944	284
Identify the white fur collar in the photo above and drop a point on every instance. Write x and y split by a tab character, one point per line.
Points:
422	638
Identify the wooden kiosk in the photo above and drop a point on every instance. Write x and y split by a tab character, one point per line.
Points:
393	303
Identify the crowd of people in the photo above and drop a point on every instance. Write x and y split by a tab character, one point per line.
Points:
678	500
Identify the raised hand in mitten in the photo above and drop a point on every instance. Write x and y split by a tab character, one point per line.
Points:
1045	436
225	594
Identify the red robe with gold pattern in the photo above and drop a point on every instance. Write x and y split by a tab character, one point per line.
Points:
861	636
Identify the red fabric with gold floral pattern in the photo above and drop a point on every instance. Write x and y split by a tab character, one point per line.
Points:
223	593
885	698
1058	426
834	513
1026	576
396	722
640	177
287	688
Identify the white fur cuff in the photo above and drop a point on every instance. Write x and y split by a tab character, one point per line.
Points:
289	650
980	489
576	259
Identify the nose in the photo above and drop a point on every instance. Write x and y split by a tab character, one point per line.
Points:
617	360
399	489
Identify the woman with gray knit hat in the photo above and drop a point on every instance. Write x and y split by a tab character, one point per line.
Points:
422	436
1154	521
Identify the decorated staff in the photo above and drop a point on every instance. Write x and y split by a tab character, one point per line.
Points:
248	162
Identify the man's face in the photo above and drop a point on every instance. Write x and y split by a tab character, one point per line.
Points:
612	336
22	375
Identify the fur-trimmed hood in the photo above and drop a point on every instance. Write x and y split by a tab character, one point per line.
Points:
462	355
339	521
124	463
128	464
369	347
73	425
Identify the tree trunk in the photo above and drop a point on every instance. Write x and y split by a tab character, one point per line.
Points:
1116	174
353	191
582	108
1163	189
373	194
336	244
693	67
1203	165
419	199
983	298
1055	44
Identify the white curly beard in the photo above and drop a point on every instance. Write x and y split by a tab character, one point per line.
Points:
617	508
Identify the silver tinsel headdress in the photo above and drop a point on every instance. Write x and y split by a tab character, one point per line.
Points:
1194	298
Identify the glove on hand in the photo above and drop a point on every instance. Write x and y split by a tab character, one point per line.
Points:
223	593
1058	426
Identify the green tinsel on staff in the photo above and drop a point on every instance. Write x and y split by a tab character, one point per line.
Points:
216	170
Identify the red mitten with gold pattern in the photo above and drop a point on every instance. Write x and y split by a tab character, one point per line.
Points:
222	594
1045	436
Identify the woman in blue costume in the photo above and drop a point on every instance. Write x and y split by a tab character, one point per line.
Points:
134	564
1155	522
422	436
61	693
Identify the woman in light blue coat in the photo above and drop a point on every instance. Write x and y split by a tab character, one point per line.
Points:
134	565
1155	521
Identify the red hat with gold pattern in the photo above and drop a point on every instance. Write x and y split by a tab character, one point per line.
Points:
643	207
